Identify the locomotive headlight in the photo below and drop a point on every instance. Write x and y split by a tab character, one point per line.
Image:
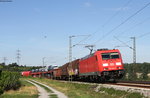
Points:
118	63
119	67
105	68
105	64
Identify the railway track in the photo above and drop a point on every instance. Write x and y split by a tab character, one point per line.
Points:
137	84
131	85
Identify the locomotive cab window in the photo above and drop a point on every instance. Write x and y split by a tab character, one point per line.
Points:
113	55
105	56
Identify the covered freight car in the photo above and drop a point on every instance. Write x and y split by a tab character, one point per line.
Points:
73	69
64	71
69	69
57	73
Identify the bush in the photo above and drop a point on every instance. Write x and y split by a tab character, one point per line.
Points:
9	80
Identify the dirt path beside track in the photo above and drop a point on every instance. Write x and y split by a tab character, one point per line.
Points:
42	92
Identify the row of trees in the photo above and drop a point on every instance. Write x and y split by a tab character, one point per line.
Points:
16	68
138	71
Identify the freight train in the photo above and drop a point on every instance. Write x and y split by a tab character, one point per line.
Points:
102	65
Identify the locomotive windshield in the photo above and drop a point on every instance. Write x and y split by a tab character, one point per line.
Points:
112	55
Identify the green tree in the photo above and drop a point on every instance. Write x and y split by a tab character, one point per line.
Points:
145	68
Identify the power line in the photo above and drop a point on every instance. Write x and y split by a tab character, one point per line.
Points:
125	43
134	45
127	19
82	39
143	35
126	4
106	21
145	20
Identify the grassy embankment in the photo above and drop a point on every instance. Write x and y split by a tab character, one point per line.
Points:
74	90
27	90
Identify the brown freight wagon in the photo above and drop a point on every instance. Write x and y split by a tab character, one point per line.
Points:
73	68
57	73
70	69
64	71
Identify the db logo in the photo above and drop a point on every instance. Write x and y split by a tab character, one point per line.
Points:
111	64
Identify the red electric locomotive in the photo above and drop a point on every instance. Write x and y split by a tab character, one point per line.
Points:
102	65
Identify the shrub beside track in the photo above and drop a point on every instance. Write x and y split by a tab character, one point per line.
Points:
9	80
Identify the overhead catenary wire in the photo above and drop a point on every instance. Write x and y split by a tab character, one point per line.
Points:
125	43
116	27
108	21
115	14
145	20
82	40
140	36
123	22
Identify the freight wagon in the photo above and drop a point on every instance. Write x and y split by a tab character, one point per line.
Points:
26	73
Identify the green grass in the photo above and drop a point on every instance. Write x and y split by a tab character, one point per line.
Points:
74	90
118	93
27	90
18	96
53	96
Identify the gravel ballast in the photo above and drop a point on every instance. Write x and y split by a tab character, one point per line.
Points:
143	91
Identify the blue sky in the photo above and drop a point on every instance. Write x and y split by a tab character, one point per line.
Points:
41	28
